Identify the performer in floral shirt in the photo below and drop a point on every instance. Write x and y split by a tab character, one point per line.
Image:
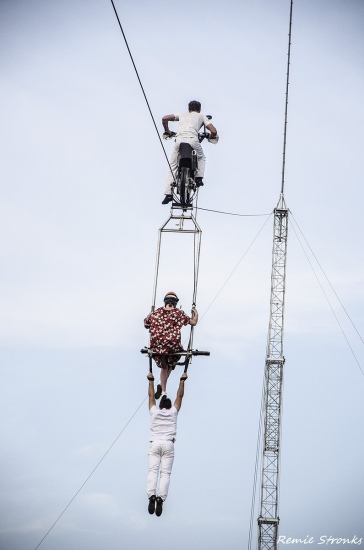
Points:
165	325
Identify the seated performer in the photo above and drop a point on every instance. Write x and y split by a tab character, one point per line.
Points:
165	325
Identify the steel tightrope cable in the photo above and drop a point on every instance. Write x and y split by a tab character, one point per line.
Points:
141	86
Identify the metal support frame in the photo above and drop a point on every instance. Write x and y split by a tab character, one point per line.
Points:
186	224
181	220
268	519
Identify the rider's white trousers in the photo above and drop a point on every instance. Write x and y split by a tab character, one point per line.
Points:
160	461
201	160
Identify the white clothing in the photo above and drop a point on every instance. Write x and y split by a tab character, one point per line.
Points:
160	461
201	162
163	431
163	423
189	125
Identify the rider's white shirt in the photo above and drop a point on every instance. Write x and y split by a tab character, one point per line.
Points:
190	123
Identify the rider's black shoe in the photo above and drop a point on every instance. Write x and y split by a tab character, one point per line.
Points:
167	199
199	182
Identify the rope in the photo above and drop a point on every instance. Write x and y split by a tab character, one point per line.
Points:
332	288
230	213
286	106
139	407
257	461
141	86
328	301
237	265
88	477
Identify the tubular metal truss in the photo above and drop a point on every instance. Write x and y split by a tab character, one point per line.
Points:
182	223
268	519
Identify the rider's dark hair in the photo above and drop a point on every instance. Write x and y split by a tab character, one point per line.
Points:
194	106
165	402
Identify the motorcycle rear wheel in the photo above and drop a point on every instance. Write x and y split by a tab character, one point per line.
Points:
184	192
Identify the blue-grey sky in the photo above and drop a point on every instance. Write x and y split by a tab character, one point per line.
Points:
82	181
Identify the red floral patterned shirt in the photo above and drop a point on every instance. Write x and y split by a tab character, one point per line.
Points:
165	331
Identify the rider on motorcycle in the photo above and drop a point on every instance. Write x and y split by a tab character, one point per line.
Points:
189	125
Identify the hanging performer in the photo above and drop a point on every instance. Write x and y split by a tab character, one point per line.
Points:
165	325
189	125
163	430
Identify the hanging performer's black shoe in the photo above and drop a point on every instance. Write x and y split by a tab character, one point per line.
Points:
159	507
151	505
167	199
158	393
199	182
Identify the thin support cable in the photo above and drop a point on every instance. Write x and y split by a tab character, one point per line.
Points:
230	213
326	277
257	463
89	476
139	407
237	265
328	301
232	273
141	86
286	105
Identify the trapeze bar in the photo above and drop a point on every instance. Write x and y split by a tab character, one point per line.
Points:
186	353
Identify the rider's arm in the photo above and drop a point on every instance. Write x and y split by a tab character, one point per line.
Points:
180	391
165	120
212	129
194	318
151	390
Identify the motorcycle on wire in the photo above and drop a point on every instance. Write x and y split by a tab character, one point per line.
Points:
184	184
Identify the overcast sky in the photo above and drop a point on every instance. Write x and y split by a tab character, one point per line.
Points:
82	182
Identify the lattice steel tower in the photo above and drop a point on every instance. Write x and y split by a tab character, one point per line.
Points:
268	519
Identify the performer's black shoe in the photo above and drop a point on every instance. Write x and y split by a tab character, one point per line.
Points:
159	507
158	393
151	505
167	199
199	182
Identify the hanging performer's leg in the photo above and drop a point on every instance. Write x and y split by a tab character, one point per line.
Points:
165	468
154	459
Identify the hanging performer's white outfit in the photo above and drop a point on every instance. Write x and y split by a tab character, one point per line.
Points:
189	125
163	430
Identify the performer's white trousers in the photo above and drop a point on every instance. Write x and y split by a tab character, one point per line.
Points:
160	461
201	161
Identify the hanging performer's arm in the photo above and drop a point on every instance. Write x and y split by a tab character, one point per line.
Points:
165	120
180	391
194	318
151	390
